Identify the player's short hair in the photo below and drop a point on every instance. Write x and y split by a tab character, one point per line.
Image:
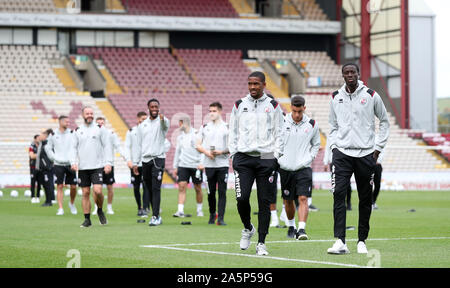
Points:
84	108
216	104
140	114
62	117
152	100
350	64
298	101
100	118
36	136
48	131
258	74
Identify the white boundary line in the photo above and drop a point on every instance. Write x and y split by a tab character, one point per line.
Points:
176	247
294	241
259	257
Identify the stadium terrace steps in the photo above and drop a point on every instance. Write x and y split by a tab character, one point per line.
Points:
242	7
309	10
289	10
65	78
115	6
111	85
119	126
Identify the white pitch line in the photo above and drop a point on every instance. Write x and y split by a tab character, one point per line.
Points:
294	241
259	257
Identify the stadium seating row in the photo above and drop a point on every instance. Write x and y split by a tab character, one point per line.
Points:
306	9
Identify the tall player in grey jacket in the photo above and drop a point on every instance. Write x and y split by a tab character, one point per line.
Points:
355	149
151	135
255	143
90	155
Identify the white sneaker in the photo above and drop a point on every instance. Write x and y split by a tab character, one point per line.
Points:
200	213
73	209
338	248
261	249
361	247
246	236
60	212
33	200
109	211
38	200
155	221
178	214
274	221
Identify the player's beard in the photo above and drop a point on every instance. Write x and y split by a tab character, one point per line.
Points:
88	120
154	114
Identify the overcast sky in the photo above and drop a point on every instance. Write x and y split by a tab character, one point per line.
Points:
442	10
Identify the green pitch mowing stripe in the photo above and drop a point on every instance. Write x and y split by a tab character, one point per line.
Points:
33	236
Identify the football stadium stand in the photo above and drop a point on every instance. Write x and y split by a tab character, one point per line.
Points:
180	79
31	99
186	8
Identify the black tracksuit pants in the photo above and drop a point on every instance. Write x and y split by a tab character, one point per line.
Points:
377	182
136	180
152	173
35	186
217	177
45	177
343	168
247	169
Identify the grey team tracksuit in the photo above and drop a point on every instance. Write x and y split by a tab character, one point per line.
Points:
150	139
352	141
255	143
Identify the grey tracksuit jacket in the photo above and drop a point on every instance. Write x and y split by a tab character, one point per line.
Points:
255	127
301	143
91	147
352	121
150	139
131	145
186	154
58	147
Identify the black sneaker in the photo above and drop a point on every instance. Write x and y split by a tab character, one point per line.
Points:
291	232
140	212
86	223
301	234
212	218
46	204
313	208
102	218
220	222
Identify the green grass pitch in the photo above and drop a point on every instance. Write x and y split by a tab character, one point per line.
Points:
33	236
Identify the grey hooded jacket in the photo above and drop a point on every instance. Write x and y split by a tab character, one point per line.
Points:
255	127
352	121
